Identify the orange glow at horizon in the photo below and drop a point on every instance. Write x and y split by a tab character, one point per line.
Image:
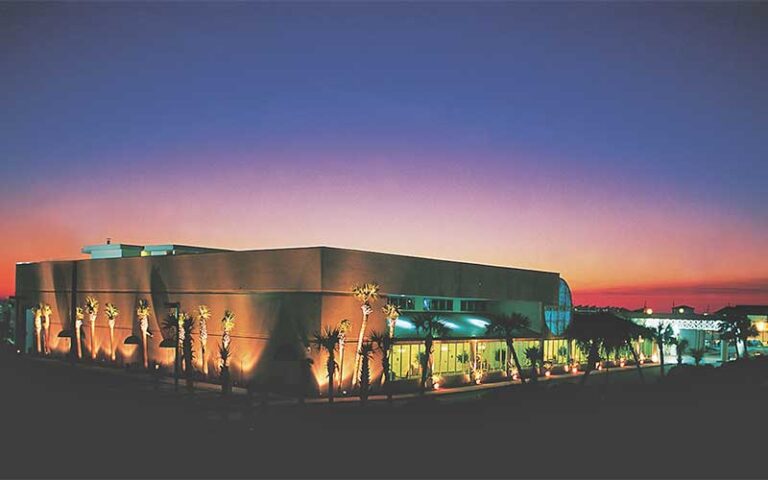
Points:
598	239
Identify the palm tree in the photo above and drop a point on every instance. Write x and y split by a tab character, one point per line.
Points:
203	315
328	340
681	346
391	313
628	341
344	328
430	326
79	316
225	350
744	331
174	324
727	331
506	327
188	324
384	342
142	313
38	312
697	354
92	309
463	358
533	354
180	317
365	370
46	311
663	335
603	331
367	294
112	312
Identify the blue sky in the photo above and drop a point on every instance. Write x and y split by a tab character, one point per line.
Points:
662	104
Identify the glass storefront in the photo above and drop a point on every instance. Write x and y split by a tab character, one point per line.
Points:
458	357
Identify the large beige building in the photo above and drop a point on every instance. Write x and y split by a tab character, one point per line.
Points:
282	297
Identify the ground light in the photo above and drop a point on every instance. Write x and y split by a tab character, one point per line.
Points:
654	358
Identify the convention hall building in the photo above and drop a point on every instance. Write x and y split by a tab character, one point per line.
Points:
281	297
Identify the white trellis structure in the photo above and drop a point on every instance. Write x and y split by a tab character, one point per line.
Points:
678	324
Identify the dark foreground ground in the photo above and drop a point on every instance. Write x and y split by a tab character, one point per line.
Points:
61	421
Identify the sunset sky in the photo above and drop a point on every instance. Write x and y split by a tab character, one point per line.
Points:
622	145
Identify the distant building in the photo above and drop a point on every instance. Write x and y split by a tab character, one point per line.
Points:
758	314
699	329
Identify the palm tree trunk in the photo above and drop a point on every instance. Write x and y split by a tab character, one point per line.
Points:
47	339
112	343
385	371
637	360
341	364
661	357
93	341
591	359
189	374
205	360
226	386
356	373
425	365
744	342
385	376
330	366
79	343
144	350
511	347
508	363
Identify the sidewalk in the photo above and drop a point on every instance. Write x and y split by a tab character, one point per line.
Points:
275	399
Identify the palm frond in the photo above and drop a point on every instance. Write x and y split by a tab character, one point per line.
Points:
390	310
203	312
142	309
366	292
327	340
345	326
111	310
228	321
382	340
366	349
91	305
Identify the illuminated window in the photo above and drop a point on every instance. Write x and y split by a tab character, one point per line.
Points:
438	304
474	306
403	303
558	317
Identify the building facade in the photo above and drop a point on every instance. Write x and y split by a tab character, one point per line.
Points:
281	297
